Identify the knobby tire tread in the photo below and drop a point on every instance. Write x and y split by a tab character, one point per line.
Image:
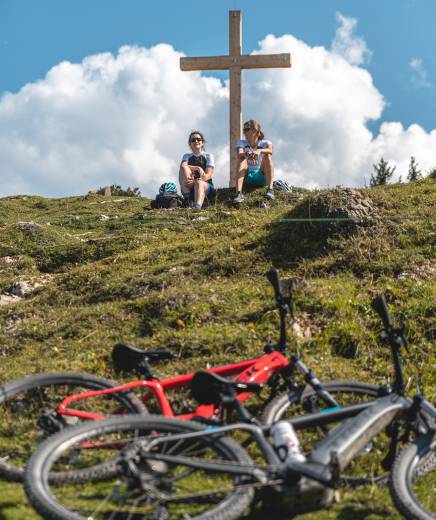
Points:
36	472
279	402
401	492
88	381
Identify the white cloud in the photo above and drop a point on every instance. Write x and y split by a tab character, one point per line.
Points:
419	74
125	119
122	119
353	49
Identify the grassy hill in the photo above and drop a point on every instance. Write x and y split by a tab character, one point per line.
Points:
103	269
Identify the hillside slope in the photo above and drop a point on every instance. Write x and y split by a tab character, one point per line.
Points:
81	273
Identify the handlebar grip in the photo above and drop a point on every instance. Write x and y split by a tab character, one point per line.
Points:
381	308
273	277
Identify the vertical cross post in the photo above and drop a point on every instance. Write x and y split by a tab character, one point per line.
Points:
235	116
234	62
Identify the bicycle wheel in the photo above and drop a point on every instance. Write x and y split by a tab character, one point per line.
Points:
345	392
412	481
372	462
142	488
28	412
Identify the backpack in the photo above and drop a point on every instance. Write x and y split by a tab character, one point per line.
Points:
167	200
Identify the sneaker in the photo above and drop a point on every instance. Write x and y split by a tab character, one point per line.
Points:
239	198
270	194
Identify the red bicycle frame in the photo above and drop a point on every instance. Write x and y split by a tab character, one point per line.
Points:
258	370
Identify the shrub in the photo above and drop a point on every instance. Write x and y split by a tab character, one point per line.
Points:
117	190
382	173
414	174
432	173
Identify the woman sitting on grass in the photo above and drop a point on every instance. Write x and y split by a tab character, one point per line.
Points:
195	175
255	164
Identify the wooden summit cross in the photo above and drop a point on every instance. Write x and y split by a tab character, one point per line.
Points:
235	62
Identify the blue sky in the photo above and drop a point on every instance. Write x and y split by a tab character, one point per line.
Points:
36	35
396	69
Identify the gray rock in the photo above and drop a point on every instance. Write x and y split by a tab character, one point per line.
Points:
27	226
20	289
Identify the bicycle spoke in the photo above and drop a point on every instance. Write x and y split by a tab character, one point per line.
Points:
139	486
101	505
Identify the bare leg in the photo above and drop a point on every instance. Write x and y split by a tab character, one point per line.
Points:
200	188
185	179
268	169
242	171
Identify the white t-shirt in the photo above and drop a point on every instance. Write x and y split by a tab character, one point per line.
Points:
205	158
244	144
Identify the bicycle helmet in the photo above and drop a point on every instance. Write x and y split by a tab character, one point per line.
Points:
168	187
280	185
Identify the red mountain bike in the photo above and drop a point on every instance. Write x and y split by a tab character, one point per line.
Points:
37	406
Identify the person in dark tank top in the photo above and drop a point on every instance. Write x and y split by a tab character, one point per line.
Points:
196	169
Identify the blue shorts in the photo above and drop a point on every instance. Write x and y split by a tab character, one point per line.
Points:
255	178
210	189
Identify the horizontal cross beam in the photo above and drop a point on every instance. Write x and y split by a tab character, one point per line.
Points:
252	61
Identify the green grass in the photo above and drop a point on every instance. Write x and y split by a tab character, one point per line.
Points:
194	282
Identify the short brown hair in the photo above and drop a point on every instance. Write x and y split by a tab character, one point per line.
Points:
254	124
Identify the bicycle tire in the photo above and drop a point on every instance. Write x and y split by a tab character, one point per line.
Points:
13	397
413	463
276	408
372	464
41	492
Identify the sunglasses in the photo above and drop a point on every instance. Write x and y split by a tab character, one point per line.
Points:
196	140
247	129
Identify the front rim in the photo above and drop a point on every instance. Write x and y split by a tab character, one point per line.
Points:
28	413
141	488
372	462
421	480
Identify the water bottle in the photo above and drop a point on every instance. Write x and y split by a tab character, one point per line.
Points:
286	442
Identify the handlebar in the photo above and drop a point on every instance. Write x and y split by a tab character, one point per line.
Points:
381	308
283	303
273	277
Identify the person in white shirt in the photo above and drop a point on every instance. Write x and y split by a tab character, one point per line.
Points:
255	164
196	169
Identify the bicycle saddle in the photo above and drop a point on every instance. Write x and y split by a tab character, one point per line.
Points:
127	358
209	388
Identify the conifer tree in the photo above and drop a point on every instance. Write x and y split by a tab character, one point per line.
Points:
414	174
382	173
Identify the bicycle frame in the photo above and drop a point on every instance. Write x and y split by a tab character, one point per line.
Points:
331	454
258	370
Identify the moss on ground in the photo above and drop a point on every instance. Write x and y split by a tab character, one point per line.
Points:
106	269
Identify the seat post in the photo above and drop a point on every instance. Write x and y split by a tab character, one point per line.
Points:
230	399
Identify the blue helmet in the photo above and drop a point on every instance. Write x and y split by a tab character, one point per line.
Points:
168	187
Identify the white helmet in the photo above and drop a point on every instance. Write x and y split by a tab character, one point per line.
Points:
280	185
